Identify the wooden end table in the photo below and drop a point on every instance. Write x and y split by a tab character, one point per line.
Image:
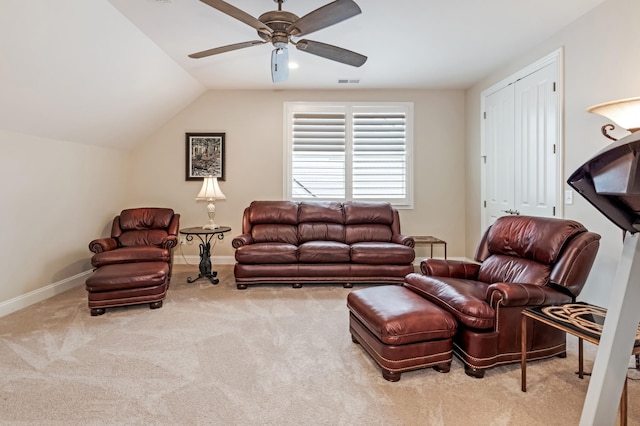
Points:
579	319
205	236
428	239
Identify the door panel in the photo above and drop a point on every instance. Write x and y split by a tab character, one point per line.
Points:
499	151
535	142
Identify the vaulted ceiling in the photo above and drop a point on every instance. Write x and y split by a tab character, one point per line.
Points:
109	72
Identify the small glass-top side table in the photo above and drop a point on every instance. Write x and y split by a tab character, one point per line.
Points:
205	236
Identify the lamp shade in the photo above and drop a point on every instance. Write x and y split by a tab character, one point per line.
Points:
210	190
624	112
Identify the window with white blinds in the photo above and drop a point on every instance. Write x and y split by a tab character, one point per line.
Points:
349	152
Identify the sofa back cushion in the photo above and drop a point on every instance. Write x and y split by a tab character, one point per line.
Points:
367	221
274	221
142	226
320	221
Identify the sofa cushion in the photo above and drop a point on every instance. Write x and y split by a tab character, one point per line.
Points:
357	212
510	269
267	253
462	298
376	253
131	254
315	231
275	233
321	211
282	212
370	232
324	252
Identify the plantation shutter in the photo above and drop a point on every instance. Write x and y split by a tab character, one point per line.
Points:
379	155
318	155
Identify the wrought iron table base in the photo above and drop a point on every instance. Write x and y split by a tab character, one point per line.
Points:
205	237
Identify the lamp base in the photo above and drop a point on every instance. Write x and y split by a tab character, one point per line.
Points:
211	226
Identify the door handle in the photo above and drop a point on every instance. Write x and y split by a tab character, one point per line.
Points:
513	212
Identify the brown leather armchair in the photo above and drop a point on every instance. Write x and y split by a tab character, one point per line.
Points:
138	235
523	261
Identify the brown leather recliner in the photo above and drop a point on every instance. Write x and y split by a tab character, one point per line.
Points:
523	261
138	235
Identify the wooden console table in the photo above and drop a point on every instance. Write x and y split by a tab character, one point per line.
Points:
583	320
428	239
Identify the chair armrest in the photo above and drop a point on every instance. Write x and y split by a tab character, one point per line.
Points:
512	294
405	240
241	240
103	244
169	242
450	268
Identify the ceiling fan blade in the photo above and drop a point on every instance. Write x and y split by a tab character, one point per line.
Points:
334	53
228	48
323	17
238	14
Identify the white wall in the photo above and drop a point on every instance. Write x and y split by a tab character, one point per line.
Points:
57	196
601	64
253	123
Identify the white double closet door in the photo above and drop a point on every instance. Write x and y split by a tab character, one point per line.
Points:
522	146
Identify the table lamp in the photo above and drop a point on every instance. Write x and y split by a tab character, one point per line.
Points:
210	192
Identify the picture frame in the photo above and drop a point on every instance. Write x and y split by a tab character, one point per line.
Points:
204	155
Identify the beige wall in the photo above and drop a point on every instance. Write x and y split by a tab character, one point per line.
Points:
57	196
253	123
600	65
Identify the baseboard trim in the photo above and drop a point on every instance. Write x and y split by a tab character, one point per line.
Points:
38	295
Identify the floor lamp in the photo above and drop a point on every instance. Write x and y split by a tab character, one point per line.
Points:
610	181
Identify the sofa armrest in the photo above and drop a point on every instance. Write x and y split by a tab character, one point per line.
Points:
241	240
170	242
103	244
450	268
405	240
512	294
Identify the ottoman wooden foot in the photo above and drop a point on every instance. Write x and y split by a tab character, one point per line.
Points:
443	368
97	311
392	376
155	305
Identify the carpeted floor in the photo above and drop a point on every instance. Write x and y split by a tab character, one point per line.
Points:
269	355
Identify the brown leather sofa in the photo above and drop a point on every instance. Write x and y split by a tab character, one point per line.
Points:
320	242
523	261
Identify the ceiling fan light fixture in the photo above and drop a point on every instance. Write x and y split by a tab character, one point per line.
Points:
280	64
279	26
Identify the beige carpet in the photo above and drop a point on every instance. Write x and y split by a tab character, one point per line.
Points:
269	355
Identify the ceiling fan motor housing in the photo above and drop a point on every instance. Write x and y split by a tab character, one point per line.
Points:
279	21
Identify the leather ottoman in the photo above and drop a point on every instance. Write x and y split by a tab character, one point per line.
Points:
127	284
400	330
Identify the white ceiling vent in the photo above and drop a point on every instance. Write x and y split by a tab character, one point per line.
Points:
348	80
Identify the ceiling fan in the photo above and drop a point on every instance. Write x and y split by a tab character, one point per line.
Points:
280	27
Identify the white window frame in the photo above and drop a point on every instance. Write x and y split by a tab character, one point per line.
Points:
349	108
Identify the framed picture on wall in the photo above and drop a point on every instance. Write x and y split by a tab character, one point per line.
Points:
204	155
